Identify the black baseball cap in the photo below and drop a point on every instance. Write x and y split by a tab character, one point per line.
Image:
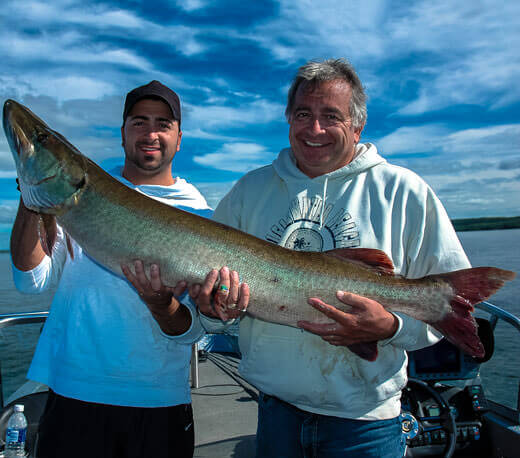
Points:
153	89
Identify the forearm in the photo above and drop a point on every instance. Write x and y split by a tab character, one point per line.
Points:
173	320
26	250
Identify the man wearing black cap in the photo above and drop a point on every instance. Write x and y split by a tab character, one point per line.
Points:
118	381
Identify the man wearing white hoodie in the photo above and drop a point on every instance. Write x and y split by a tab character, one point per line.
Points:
329	191
119	382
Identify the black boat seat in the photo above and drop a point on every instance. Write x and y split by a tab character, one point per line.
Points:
34	404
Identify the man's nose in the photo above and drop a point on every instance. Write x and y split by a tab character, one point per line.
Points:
151	132
316	126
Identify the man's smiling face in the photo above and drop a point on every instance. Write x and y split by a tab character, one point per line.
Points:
321	133
151	138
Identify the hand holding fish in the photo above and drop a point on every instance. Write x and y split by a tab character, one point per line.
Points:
227	301
172	317
367	322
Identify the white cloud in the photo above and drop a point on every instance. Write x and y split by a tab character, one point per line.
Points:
412	140
67	47
495	141
463	52
214	192
71	12
204	135
237	157
72	87
8	174
255	112
192	5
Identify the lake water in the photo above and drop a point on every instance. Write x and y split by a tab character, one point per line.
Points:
500	375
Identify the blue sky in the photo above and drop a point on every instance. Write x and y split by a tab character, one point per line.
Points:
442	80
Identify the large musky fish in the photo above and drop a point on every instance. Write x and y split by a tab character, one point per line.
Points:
116	225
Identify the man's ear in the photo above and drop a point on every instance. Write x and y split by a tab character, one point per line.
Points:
179	138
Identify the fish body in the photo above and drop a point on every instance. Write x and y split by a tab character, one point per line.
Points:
116	225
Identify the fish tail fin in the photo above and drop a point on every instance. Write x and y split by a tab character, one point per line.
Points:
470	287
366	350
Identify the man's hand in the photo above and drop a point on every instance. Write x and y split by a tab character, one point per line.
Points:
228	300
367	322
172	317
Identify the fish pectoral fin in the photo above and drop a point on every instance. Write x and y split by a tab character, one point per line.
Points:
70	249
366	350
47	232
368	257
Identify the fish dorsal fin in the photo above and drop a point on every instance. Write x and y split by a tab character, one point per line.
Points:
368	257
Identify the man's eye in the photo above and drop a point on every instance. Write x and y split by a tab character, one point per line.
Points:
302	115
137	123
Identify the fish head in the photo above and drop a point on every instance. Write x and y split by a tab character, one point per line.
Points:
51	171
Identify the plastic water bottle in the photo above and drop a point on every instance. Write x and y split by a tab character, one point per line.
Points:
16	433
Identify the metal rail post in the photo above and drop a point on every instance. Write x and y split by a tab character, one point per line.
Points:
195	365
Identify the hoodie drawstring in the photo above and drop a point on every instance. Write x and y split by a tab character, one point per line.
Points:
323	201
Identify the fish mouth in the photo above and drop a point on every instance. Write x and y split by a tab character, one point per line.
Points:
45	179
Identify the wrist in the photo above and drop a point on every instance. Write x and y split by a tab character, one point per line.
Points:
175	319
393	326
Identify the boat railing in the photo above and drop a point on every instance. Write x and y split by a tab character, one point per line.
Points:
498	314
15	319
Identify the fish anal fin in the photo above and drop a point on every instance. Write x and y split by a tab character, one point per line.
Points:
47	232
470	286
368	257
366	350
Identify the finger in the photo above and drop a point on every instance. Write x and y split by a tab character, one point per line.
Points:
223	288
155	277
243	301
140	273
209	283
331	311
128	274
234	286
194	290
336	340
319	329
354	300
179	289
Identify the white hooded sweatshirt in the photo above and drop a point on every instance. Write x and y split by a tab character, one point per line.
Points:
370	204
100	342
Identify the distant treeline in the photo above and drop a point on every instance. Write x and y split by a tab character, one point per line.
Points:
483	224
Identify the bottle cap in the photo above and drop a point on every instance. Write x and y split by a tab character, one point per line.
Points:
18	407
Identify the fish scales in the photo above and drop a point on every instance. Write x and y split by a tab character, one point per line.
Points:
140	228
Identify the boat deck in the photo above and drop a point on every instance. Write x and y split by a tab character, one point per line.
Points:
224	410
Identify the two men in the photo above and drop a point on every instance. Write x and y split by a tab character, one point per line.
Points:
330	191
119	382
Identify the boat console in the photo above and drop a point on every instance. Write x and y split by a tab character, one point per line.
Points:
444	403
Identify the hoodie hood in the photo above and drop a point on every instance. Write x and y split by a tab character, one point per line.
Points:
366	157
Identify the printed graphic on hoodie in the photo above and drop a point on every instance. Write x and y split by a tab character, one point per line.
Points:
311	226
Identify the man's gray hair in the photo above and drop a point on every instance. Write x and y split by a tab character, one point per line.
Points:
316	72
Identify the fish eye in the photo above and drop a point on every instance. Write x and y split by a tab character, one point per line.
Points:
42	137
